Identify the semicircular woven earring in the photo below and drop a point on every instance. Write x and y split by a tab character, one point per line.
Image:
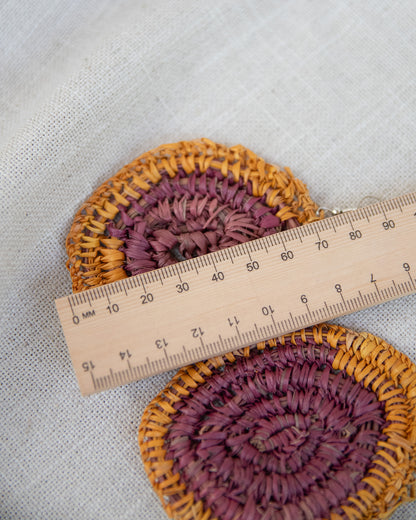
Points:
320	424
179	201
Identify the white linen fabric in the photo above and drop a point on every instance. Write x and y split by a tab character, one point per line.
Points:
327	88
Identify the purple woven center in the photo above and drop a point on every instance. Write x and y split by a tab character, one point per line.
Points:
279	435
191	215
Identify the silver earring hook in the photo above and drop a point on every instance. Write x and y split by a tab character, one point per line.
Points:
365	201
328	212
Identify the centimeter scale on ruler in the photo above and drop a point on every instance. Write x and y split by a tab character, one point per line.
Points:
226	300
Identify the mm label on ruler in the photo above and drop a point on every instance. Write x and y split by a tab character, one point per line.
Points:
209	305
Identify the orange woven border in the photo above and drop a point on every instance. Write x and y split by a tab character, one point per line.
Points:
365	357
94	258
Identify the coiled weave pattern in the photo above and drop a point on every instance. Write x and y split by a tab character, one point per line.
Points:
320	424
316	425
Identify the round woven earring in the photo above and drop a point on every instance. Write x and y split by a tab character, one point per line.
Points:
318	424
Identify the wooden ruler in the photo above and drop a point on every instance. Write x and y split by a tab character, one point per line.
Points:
206	306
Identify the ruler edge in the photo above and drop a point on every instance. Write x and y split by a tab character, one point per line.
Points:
399	201
286	232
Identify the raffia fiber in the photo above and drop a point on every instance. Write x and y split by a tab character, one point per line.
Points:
95	246
318	424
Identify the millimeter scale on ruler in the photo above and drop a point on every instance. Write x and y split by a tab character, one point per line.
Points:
220	302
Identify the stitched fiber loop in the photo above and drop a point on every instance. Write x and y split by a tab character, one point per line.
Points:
282	432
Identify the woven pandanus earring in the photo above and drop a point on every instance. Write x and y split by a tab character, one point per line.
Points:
179	201
319	424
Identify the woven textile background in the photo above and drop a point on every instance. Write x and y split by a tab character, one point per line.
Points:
327	88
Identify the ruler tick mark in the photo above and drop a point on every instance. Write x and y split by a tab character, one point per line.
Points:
248	252
349	219
124	287
106	293
178	272
257	332
70	304
411	280
274	324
